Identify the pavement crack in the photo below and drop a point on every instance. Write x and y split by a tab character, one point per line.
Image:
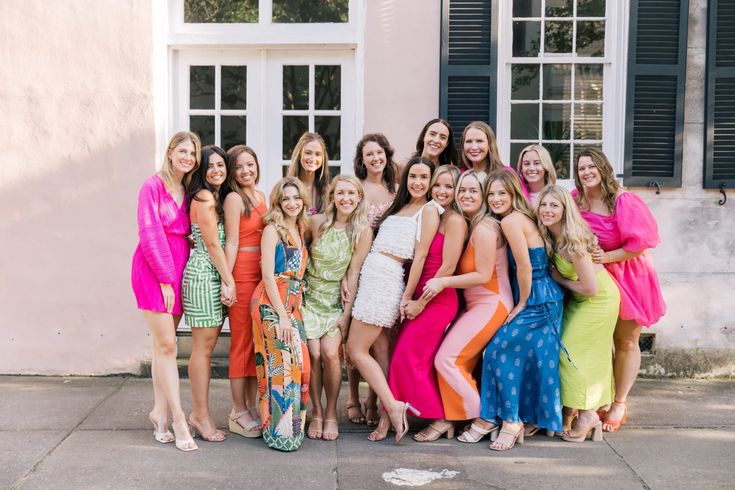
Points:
622	458
19	482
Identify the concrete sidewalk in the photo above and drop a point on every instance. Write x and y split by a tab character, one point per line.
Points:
94	433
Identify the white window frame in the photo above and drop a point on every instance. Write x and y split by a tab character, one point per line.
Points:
614	81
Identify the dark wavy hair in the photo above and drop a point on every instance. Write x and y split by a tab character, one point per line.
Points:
403	196
199	180
390	170
231	184
449	155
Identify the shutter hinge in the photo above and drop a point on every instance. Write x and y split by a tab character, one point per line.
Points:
722	201
655	184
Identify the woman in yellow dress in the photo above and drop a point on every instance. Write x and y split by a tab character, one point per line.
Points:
589	315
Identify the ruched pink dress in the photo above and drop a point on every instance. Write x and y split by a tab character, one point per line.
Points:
633	228
163	248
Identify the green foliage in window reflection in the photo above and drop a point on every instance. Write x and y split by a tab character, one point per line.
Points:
309	11
220	11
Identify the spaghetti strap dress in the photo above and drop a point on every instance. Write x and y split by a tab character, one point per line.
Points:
282	368
163	247
201	291
412	376
520	373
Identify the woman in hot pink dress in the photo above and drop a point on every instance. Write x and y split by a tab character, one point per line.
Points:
625	229
158	266
412	376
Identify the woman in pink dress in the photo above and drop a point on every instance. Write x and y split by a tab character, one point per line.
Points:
158	266
479	150
625	229
412	376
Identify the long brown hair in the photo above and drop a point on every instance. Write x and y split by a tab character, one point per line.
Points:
390	170
321	182
609	186
231	185
512	185
492	161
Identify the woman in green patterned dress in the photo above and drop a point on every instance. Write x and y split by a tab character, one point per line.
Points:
341	239
203	293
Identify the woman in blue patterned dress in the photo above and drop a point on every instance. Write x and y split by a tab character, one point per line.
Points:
520	377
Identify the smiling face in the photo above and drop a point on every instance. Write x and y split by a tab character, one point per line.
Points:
346	197
550	210
183	157
469	195
475	147
291	202
589	174
246	170
373	156
216	170
443	190
419	177
436	140
312	156
532	169
498	199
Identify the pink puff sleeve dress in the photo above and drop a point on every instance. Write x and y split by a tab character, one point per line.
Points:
633	228
163	248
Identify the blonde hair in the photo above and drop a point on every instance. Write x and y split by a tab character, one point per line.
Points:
609	186
481	178
275	215
357	221
167	170
575	238
492	161
546	163
512	185
443	169
321	182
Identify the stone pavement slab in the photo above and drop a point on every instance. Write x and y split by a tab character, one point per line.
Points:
20	450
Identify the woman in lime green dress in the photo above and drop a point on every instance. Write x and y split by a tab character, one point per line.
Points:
341	239
590	315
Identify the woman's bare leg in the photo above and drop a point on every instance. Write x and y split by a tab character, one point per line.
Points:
627	363
200	366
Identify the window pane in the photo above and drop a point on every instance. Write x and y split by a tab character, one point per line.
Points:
560	153
559	8
329	128
220	11
558	38
327	84
524	121
234	87
526	38
588	121
591	8
295	87
557	82
591	38
515	150
234	131
524	82
201	87
204	127
556	121
309	11
588	82
527	8
293	128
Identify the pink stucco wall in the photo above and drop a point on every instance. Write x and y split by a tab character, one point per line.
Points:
402	42
78	132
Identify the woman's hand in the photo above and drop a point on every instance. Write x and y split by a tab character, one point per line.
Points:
169	298
284	332
343	324
433	287
556	275
599	256
404	304
514	312
344	290
414	309
229	295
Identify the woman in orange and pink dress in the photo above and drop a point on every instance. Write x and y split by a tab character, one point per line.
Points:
625	229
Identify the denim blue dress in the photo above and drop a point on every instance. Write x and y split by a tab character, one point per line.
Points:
520	376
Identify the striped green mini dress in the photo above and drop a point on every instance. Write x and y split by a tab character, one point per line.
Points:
201	289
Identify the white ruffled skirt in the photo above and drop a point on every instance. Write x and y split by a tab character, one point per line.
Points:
379	292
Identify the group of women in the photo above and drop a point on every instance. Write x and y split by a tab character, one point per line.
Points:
444	278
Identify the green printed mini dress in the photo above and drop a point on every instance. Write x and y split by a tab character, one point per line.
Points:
201	291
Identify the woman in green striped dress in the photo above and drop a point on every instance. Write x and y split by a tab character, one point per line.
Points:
341	239
208	285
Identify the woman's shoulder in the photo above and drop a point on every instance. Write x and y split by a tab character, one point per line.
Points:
154	183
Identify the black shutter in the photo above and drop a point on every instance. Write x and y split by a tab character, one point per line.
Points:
468	75
655	92
719	162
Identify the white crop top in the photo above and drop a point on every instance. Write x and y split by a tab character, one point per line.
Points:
398	234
